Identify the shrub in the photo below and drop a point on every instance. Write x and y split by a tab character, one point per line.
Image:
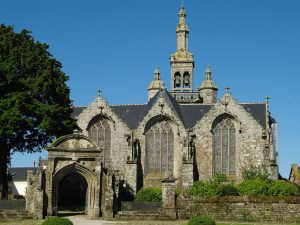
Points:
220	178
19	197
149	195
229	190
57	221
205	188
204	220
254	187
283	188
253	174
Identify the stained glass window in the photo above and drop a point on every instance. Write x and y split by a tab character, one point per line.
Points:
159	148
224	147
100	132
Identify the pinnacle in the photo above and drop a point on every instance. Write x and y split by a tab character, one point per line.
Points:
156	71
208	70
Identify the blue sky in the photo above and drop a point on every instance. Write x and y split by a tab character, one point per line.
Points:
252	45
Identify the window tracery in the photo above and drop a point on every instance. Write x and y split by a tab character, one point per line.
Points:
159	148
224	147
100	133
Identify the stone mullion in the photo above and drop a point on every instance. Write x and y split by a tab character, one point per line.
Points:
104	142
228	150
168	154
221	149
154	152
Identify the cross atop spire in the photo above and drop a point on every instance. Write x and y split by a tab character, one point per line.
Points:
156	73
227	89
98	93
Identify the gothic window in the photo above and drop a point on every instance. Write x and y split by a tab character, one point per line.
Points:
159	148
100	132
224	147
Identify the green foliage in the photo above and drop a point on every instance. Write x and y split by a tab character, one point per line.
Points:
205	188
259	187
57	221
220	178
254	187
201	220
229	189
34	99
149	195
283	188
19	197
297	220
255	173
218	186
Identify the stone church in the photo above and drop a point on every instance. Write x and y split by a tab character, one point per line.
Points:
186	131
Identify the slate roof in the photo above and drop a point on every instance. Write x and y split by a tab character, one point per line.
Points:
189	114
258	112
193	113
132	115
20	173
77	110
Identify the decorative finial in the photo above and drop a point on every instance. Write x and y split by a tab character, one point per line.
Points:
182	6
156	71
208	70
227	88
98	93
267	99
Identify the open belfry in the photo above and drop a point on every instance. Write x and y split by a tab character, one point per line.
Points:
187	133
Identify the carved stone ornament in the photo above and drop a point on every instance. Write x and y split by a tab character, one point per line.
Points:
226	99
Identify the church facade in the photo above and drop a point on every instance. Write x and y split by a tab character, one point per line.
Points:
187	132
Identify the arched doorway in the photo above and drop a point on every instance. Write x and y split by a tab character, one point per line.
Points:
72	193
82	184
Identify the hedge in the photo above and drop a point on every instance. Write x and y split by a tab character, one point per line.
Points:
57	221
201	220
149	195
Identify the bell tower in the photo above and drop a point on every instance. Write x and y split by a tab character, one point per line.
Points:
182	64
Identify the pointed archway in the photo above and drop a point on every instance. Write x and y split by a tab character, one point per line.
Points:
85	196
72	192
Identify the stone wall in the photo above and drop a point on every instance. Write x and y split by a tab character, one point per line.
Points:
252	150
241	208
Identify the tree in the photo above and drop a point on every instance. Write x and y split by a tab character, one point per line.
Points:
34	99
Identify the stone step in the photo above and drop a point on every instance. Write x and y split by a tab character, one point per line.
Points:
12	214
137	215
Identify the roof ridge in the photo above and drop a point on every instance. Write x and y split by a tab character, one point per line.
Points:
77	106
125	104
252	103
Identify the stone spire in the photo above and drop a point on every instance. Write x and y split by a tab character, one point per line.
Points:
208	89
182	31
156	85
182	63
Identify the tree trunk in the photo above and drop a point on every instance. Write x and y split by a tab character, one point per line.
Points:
3	173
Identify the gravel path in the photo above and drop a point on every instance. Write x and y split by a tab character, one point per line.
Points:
81	220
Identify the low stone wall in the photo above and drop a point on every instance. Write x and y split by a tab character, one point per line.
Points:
141	206
18	205
241	208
